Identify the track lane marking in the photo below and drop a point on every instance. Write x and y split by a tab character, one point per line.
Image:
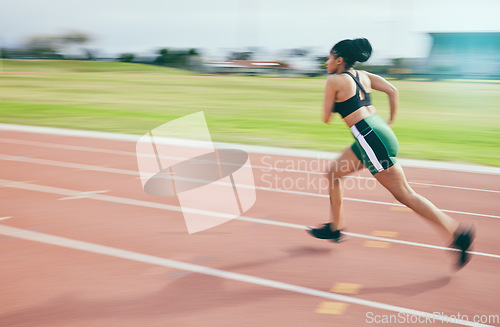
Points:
346	288
394	206
162	206
377	244
384	233
331	308
149	259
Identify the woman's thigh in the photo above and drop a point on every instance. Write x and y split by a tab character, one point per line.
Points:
345	164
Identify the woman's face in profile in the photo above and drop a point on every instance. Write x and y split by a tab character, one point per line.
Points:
332	64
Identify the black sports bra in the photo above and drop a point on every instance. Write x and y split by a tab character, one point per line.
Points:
352	104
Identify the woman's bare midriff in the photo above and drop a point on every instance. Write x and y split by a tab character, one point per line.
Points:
359	115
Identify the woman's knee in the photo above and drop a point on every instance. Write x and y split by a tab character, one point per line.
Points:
334	175
334	172
406	197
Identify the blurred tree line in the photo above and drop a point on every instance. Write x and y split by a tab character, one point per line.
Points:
71	46
175	58
240	55
61	46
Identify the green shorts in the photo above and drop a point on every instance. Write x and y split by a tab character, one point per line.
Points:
376	146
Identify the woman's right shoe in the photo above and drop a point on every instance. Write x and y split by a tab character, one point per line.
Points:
462	242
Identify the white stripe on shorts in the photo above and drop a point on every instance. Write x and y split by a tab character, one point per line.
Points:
369	151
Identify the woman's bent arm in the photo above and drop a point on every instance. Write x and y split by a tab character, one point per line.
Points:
329	100
380	84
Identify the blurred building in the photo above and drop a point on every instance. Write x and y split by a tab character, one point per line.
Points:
472	55
246	67
305	65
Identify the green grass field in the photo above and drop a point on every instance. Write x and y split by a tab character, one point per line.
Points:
438	121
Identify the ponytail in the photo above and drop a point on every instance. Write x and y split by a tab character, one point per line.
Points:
353	51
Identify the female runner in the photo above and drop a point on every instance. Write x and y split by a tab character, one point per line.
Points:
348	93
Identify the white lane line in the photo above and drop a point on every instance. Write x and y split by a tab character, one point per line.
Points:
455	187
250	148
66	147
371	178
14	158
162	206
5	218
65	164
134	173
392	240
149	259
83	195
444	210
264	168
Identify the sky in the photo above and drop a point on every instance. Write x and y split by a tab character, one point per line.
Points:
396	28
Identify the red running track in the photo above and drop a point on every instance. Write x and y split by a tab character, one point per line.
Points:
114	257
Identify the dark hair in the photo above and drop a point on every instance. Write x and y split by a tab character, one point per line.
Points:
352	51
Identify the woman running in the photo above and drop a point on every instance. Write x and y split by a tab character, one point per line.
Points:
348	93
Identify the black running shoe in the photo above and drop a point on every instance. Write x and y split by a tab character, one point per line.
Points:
325	233
462	242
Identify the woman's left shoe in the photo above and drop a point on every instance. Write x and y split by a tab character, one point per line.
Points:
326	233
